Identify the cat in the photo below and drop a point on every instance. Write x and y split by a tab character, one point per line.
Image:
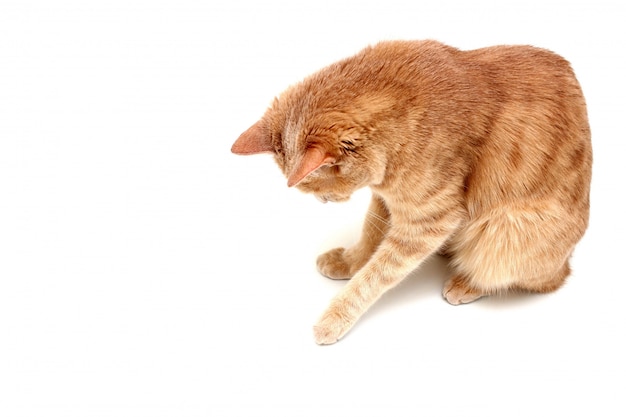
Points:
482	155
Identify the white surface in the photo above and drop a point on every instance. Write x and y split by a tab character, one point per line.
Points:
146	271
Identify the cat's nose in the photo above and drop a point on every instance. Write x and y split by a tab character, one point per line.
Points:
321	198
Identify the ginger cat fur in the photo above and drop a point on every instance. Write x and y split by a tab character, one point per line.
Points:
481	155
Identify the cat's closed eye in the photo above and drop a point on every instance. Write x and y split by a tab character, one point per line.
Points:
348	146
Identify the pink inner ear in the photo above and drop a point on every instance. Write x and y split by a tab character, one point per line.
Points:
254	140
313	159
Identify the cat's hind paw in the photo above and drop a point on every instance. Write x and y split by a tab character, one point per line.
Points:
456	291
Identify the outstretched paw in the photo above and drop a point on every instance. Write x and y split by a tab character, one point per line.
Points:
331	327
332	264
456	291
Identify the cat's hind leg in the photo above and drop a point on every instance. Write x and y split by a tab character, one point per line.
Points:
459	290
512	249
342	263
545	283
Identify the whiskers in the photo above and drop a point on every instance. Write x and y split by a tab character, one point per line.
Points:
376	225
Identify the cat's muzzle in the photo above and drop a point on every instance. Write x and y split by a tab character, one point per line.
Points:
322	198
325	198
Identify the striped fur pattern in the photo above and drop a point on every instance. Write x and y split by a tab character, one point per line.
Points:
482	155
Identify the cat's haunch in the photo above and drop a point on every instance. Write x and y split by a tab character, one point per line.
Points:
484	155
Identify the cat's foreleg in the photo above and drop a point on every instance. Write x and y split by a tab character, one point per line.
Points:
402	250
341	263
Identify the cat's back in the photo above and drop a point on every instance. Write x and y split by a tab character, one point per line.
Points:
537	144
431	74
518	110
509	71
523	72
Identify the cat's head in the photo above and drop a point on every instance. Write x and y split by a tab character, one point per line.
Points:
320	150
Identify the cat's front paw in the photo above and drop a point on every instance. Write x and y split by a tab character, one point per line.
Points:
331	327
332	264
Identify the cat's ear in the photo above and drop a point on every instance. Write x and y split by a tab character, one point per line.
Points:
254	140
313	159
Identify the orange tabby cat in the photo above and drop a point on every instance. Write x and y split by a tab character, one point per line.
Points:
483	155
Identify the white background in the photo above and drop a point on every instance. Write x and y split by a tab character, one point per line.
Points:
146	271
